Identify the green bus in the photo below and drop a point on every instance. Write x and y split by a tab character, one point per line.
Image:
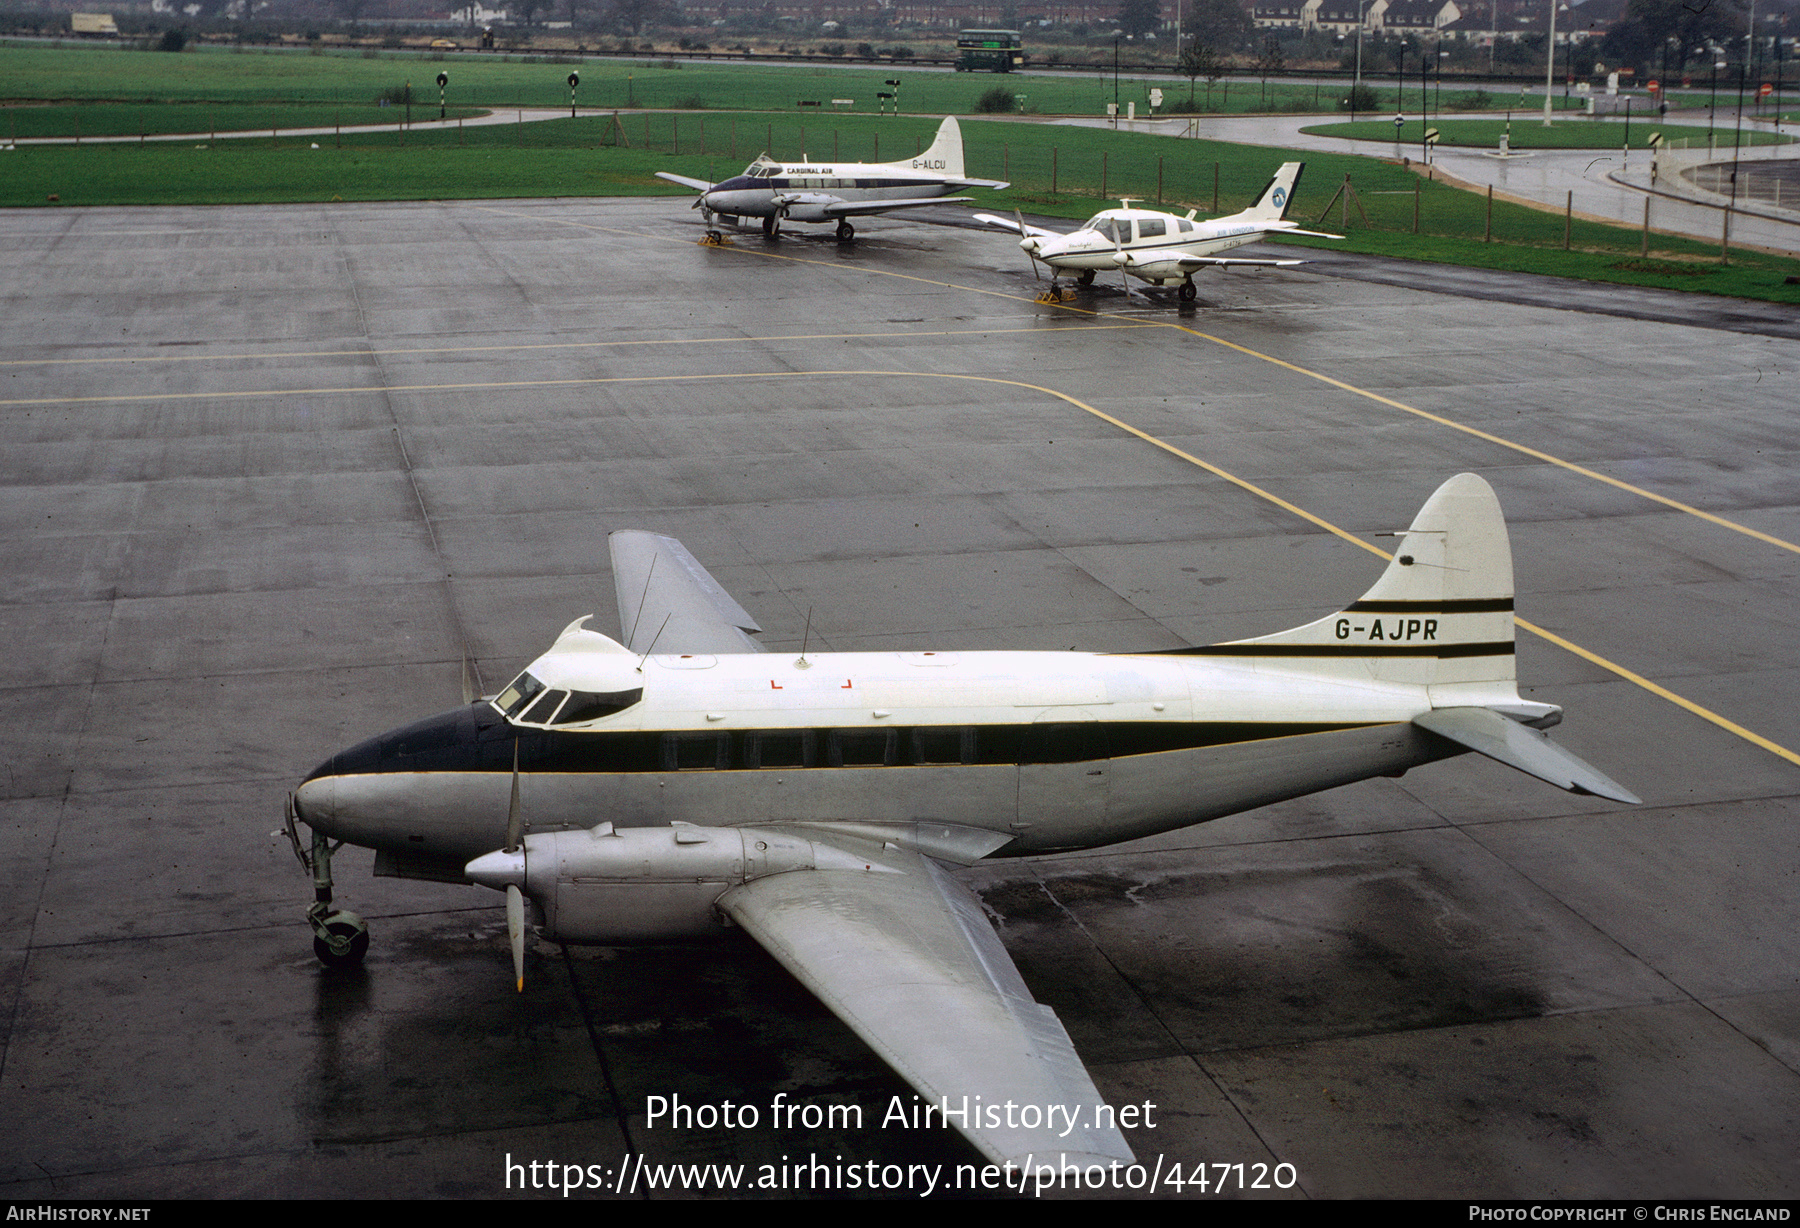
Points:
988	51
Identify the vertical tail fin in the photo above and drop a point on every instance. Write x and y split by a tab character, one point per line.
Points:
1441	615
945	156
1272	204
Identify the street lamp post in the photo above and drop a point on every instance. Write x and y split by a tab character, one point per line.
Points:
1356	83
443	80
1550	65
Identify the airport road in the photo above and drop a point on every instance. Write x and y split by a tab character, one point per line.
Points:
269	471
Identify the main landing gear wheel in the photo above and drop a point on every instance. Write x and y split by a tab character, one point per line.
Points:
340	939
1187	293
1086	279
846	232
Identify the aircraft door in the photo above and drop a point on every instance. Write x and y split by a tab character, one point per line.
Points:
1065	776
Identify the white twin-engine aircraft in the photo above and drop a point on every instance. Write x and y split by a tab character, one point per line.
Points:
819	192
1162	248
684	782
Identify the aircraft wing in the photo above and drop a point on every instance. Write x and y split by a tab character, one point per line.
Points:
669	602
699	185
1007	223
859	208
903	953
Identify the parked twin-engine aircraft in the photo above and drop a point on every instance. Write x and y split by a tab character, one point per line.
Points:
821	192
1163	249
683	781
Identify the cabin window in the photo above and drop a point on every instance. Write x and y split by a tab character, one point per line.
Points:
780	748
862	747
943	746
1150	228
696	752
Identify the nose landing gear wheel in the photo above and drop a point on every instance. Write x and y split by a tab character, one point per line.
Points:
340	939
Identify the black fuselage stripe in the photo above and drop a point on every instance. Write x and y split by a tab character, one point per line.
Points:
453	743
1467	605
1494	649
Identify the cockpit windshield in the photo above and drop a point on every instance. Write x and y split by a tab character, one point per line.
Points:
527	701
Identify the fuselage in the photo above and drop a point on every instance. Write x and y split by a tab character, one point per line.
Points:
1054	750
800	191
1151	239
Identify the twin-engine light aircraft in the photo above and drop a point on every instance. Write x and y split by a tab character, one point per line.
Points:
684	781
1163	249
822	192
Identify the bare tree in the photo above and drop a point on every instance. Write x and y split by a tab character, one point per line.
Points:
1199	60
1270	63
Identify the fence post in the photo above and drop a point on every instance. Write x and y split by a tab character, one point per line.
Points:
1215	207
1102	174
1646	248
1568	217
1159	179
1053	170
1415	206
1487	236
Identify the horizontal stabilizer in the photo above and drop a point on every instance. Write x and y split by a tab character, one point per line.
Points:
1519	746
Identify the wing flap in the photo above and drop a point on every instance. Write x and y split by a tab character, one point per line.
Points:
669	602
911	963
1214	262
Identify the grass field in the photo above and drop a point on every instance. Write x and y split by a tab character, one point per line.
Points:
296	78
1528	132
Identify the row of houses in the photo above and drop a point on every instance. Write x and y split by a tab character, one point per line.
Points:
1478	20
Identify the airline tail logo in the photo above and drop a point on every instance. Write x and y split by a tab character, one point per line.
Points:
1279	197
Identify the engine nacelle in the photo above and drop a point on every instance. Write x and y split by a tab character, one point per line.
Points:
645	884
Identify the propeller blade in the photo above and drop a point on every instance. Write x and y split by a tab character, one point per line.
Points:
1031	251
1119	259
515	931
515	826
